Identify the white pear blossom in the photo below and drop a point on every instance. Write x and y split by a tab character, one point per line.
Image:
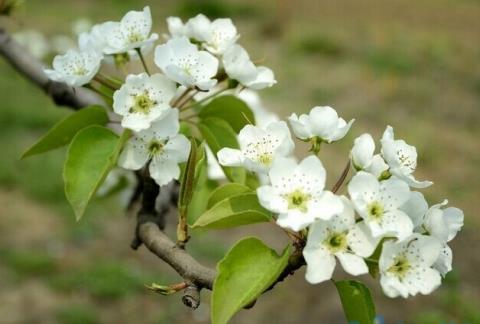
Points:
416	207
401	158
143	99
297	193
259	147
81	25
363	157
442	224
36	43
238	66
406	266
75	68
161	146
198	28
221	36
182	62
62	43
175	27
132	32
216	36
378	204
96	37
338	237
322	123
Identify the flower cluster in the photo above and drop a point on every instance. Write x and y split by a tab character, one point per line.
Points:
379	223
381	213
196	57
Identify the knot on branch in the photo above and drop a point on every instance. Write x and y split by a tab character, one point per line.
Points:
62	94
191	296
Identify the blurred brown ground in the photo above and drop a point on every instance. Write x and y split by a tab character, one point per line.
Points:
412	64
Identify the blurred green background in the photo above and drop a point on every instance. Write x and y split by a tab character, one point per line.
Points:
412	64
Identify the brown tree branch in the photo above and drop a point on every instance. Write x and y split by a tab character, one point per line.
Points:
32	69
150	221
183	263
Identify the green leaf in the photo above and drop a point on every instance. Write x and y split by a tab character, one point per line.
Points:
202	191
241	209
231	109
186	185
63	131
225	191
91	155
357	301
219	134
247	270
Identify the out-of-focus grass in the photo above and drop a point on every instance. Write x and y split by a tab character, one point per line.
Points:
77	314
410	64
28	263
104	280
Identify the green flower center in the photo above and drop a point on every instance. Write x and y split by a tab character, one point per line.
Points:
155	147
265	159
375	210
400	266
134	37
80	70
298	200
142	103
336	242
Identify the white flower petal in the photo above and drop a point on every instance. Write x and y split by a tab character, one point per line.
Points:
164	171
264	79
353	264
393	193
312	168
394	223
362	151
300	126
295	220
444	262
454	218
177	148
415	207
320	265
377	167
134	155
363	189
341	131
168	125
361	240
323	121
269	199
326	206
230	157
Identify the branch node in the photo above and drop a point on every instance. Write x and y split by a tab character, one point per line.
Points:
191	297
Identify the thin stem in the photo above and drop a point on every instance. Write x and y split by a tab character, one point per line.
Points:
342	178
291	235
189	121
176	101
139	51
187	99
205	99
103	81
113	80
189	117
101	92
